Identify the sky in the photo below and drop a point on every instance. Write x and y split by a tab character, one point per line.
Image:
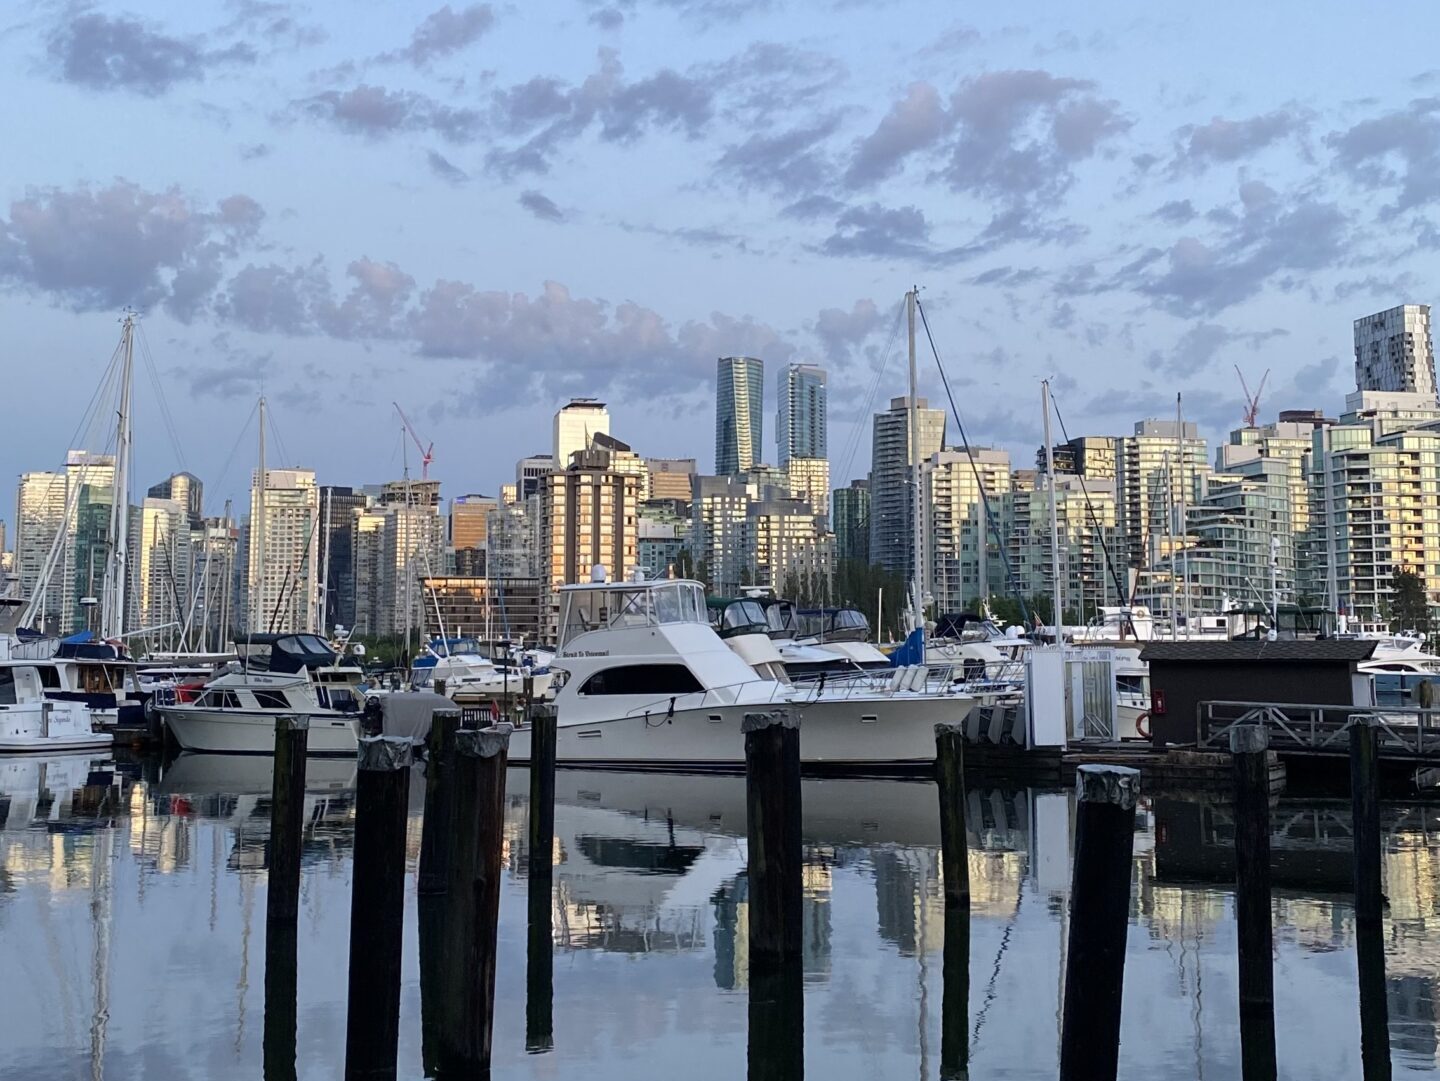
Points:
480	210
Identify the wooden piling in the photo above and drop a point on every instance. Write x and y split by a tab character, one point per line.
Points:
772	801
1250	748
955	998
950	778
1369	899
775	1048
473	900
377	907
287	813
439	795
278	1042
1099	915
539	952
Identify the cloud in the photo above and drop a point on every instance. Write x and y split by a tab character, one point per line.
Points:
1271	239
376	112
546	113
255	151
1194	350
446	170
1175	212
1223	140
98	248
841	332
914	122
1397	151
99	52
446	31
875	230
541	206
791	161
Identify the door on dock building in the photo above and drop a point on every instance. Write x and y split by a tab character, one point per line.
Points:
1090	693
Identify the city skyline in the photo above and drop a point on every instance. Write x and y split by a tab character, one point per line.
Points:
1082	200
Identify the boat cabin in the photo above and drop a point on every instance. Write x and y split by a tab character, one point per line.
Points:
731	617
622	605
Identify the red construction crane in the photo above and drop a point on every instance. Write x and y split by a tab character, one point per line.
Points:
427	453
1252	401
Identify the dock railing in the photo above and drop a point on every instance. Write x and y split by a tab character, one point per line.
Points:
1403	732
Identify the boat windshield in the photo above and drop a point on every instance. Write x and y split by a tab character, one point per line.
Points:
623	605
780	618
741	617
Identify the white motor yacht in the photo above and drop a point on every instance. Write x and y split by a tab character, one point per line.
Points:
275	674
643	680
468	671
45	704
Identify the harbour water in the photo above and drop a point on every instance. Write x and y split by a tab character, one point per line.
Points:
132	928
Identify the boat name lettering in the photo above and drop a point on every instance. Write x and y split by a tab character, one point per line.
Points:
592	653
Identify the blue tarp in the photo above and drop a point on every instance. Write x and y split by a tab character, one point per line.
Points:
912	652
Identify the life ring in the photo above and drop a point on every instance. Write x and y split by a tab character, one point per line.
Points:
1142	725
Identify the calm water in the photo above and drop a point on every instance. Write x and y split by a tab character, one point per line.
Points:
132	925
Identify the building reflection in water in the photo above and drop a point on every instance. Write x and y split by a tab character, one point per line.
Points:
650	865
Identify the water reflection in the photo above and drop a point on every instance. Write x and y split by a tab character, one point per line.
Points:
132	901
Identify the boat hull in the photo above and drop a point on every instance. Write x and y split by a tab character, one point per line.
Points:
253	732
856	732
79	741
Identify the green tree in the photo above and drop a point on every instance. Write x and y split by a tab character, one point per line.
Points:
1409	603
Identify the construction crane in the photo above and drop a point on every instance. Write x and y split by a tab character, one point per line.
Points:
427	453
1252	401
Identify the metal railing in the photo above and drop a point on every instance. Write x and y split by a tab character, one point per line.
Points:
1401	731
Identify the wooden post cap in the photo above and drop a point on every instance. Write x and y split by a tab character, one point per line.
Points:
1249	739
782	718
950	728
484	742
384	752
292	722
1363	720
1119	785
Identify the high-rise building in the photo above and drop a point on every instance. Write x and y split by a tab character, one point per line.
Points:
528	471
717	522
892	481
161	566
1255	460
39	518
785	546
469	520
1085	456
338	507
282	590
185	489
670	477
1085	512
412	548
590	517
214	547
367	554
1159	470
800	413
1394	351
809	479
851	521
663	534
510	540
739	414
623	459
966	567
576	423
1374	491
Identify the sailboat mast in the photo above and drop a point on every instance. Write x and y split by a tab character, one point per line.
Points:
1055	616
917	509
112	615
257	598
1184	509
325	563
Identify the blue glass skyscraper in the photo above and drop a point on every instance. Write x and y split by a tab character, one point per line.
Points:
800	416
739	414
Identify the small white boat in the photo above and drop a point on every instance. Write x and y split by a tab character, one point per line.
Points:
275	675
33	721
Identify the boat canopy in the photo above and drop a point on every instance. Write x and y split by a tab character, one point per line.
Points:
832	624
284	652
731	616
613	605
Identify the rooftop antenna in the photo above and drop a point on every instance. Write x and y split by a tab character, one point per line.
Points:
1252	401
